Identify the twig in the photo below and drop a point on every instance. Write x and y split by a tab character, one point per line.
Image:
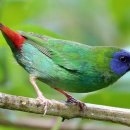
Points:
68	111
47	124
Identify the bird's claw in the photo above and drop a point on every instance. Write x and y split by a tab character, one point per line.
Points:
45	102
76	102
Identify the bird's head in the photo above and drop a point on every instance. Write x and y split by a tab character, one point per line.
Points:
120	63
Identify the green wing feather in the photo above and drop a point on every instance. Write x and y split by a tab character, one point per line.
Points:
67	54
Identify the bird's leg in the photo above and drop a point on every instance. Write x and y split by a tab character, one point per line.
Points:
70	99
45	101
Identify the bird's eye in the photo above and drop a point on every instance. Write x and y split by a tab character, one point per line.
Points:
123	59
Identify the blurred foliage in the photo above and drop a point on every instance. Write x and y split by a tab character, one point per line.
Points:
16	11
94	22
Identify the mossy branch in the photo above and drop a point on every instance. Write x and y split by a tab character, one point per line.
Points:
68	111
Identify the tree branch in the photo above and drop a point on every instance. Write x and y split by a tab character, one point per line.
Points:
68	111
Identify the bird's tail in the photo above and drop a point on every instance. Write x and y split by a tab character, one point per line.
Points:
12	36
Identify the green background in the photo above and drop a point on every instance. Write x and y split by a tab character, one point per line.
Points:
92	22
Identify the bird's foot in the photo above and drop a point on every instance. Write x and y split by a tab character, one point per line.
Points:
46	102
76	102
71	100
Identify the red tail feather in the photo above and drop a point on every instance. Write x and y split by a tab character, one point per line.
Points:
15	37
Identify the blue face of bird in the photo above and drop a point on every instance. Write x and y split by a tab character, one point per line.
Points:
120	63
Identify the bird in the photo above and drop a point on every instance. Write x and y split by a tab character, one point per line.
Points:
64	65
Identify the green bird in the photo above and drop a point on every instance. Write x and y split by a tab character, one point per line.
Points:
66	65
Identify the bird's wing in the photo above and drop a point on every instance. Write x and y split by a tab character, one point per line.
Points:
67	54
